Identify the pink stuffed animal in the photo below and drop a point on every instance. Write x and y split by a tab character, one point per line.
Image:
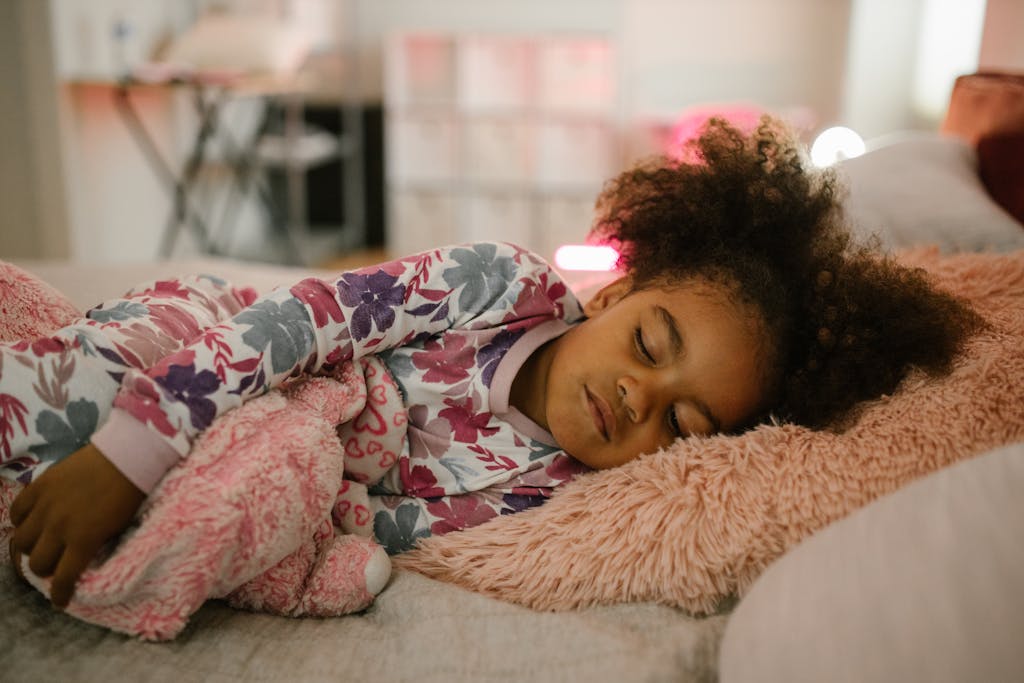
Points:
259	513
246	517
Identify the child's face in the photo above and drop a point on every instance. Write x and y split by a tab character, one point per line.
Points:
646	367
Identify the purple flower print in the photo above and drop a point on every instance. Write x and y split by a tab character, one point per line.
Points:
374	299
517	502
192	388
491	354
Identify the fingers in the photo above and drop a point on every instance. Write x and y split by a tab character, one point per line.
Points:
15	559
27	533
62	585
22	504
45	555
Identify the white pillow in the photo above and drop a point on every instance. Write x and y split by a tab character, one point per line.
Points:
926	584
923	188
239	44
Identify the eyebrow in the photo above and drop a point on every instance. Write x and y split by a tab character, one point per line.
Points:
674	338
676	342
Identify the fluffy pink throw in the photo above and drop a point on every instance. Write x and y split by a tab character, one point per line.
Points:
700	521
246	517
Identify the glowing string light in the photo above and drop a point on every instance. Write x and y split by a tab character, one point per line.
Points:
585	257
835	144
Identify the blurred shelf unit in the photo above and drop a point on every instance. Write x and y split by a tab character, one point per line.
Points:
497	136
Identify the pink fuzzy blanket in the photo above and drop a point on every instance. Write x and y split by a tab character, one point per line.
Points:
699	521
247	516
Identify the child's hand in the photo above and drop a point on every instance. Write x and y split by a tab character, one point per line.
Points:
64	517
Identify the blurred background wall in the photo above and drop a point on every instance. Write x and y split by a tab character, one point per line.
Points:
74	183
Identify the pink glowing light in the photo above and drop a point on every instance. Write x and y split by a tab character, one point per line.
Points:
691	123
586	257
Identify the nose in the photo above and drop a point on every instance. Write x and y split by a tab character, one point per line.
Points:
638	397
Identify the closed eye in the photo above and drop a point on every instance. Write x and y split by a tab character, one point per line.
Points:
671	418
673	423
638	341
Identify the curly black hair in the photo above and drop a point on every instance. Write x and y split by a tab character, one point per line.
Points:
844	322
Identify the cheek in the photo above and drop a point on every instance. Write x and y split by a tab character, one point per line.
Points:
650	441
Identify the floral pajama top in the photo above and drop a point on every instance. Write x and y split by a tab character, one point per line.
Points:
453	326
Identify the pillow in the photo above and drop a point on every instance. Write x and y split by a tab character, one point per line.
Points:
29	307
1001	166
987	110
983	103
238	45
923	188
696	523
922	585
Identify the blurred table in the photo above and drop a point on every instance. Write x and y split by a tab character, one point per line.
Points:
286	144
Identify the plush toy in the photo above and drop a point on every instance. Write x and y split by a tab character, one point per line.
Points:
258	514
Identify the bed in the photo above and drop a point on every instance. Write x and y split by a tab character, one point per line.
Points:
856	601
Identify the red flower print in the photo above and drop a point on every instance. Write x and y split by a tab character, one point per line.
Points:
564	468
40	347
146	344
166	288
245	295
49	345
11	410
432	438
537	297
144	407
319	296
458	513
464	422
445	363
495	462
419	481
173	322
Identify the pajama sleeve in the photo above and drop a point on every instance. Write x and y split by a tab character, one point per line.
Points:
313	326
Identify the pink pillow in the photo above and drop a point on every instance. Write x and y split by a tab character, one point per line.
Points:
983	103
698	522
29	307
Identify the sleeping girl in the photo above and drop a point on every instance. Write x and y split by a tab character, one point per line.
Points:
742	299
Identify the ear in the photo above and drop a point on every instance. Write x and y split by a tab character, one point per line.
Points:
607	296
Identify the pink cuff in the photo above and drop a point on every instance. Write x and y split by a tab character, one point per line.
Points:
138	452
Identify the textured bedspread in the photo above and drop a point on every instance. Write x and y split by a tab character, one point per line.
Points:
419	630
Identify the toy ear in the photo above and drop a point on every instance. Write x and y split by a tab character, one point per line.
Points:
608	296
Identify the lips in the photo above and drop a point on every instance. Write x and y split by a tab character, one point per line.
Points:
601	413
